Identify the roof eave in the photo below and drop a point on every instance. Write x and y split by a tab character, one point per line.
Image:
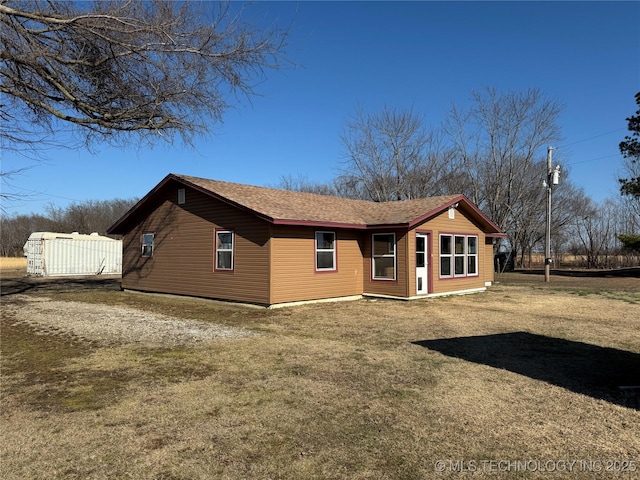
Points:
115	228
456	200
225	200
436	211
120	227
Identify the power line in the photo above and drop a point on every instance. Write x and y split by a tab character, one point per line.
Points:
593	159
592	137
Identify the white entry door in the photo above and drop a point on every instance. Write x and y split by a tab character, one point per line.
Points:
422	264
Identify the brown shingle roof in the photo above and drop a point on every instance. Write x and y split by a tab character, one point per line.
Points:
300	208
285	206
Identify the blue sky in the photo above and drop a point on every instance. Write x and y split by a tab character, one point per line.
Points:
425	55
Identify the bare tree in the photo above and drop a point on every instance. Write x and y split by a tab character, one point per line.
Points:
499	141
594	233
390	155
301	183
121	69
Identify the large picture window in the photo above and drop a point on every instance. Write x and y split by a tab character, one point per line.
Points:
383	254
224	250
325	251
458	255
147	244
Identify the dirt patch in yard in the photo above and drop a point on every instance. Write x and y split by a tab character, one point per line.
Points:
109	325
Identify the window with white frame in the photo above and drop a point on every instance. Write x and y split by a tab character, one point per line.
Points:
383	256
446	253
458	255
147	244
224	250
325	251
472	255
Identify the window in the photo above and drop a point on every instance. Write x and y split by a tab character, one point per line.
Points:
147	244
224	250
472	255
420	252
458	255
445	255
181	196
325	251
383	255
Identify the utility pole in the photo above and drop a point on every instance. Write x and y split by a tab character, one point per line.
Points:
553	177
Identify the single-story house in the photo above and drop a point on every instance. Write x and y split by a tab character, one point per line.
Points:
220	240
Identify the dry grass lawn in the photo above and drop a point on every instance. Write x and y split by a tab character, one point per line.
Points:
357	390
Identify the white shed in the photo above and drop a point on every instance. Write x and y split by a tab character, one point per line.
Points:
54	254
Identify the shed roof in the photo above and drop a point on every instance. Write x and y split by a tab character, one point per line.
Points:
70	236
301	208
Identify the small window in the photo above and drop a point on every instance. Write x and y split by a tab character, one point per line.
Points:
325	251
147	244
181	196
383	254
224	250
420	253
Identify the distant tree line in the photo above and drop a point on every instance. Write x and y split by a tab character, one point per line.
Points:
82	217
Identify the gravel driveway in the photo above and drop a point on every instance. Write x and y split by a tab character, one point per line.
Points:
112	324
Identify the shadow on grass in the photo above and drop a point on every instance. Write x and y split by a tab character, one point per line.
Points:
579	367
12	286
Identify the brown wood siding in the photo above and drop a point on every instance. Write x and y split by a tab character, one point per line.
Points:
293	269
489	266
442	224
434	227
411	260
397	287
184	250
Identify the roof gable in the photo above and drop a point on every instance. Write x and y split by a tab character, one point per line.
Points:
301	208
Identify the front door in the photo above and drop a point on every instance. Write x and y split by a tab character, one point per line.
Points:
421	264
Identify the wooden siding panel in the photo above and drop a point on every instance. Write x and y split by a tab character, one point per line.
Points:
394	288
442	224
184	250
293	274
489	265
